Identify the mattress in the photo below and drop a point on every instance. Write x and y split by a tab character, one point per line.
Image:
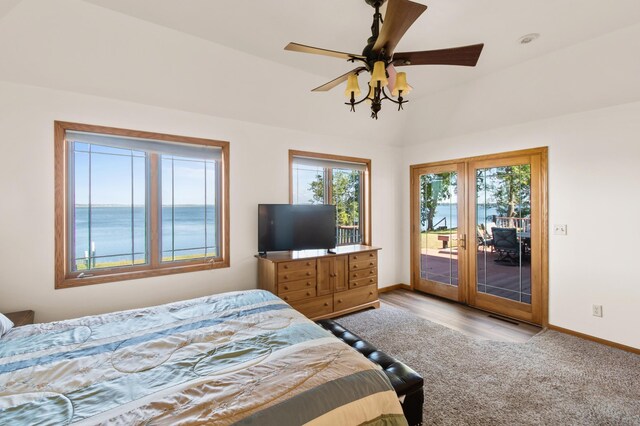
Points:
234	358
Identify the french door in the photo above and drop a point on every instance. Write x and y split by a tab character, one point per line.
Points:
479	232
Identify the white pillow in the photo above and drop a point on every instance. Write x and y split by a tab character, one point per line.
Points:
5	325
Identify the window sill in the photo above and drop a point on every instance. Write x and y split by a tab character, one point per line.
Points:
101	278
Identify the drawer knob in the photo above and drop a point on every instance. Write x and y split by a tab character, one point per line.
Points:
372	272
308	294
355	275
371	263
370	293
286	298
371	254
355	266
308	263
355	284
355	257
371	280
286	277
326	304
286	288
286	266
339	300
308	284
308	274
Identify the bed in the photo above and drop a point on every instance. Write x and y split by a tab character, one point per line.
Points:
234	358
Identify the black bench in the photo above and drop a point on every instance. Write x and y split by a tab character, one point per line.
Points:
406	382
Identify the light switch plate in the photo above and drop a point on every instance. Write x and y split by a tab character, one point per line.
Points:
560	229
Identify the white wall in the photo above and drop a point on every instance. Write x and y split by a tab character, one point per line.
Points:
259	174
581	102
594	178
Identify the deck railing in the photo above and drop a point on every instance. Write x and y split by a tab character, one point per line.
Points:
349	235
522	223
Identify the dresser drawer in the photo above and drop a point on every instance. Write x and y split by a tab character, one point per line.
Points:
288	286
357	296
362	282
363	273
363	264
293	296
296	265
368	255
303	274
315	307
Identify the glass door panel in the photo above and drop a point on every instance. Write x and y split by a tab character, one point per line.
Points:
503	226
437	230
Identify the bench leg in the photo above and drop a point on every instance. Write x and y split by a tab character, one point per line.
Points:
412	407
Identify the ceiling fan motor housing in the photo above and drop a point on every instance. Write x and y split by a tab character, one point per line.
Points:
375	3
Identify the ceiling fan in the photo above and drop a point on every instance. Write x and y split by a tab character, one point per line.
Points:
380	59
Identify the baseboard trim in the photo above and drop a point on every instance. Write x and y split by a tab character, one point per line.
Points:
594	339
394	287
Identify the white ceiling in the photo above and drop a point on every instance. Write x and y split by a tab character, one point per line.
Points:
263	28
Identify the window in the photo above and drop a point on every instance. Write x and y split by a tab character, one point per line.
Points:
133	204
342	181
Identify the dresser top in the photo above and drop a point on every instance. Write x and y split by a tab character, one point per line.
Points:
284	256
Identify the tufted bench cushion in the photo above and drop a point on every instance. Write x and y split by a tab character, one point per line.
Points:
407	383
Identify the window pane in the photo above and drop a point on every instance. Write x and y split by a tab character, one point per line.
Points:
308	185
109	203
345	194
189	211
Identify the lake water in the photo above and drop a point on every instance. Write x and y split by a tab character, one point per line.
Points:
450	212
117	232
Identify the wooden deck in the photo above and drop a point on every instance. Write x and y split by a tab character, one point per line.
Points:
496	278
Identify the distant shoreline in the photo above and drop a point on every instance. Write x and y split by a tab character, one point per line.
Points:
142	205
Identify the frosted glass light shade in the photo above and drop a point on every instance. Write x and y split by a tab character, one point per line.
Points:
352	86
379	74
401	84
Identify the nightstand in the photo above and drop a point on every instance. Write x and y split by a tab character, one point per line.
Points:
21	317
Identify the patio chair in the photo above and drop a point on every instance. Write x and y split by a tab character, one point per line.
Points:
506	244
484	239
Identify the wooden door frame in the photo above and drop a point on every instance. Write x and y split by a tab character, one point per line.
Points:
543	203
455	293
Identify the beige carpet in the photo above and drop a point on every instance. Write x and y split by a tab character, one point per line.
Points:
554	379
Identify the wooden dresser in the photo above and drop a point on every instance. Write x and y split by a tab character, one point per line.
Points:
320	284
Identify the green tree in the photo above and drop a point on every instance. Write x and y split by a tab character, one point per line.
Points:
345	194
434	188
509	188
512	190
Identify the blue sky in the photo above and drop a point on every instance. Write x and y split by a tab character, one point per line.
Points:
111	178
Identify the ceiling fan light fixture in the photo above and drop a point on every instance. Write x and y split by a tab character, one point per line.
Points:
401	85
353	88
379	74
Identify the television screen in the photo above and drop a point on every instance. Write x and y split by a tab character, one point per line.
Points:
296	227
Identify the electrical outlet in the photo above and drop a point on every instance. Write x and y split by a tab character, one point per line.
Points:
597	311
560	229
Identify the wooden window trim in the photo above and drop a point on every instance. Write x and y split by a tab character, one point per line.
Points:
65	279
365	192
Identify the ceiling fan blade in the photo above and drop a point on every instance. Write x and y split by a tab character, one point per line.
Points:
401	14
333	83
464	56
297	47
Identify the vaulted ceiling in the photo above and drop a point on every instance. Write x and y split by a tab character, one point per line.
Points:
263	28
226	58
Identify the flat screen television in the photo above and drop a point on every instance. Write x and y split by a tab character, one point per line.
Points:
296	227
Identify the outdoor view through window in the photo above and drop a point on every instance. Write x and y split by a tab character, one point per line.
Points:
138	204
318	181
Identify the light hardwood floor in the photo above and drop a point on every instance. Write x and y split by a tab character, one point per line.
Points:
470	321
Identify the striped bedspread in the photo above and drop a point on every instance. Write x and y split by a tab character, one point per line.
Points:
234	358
